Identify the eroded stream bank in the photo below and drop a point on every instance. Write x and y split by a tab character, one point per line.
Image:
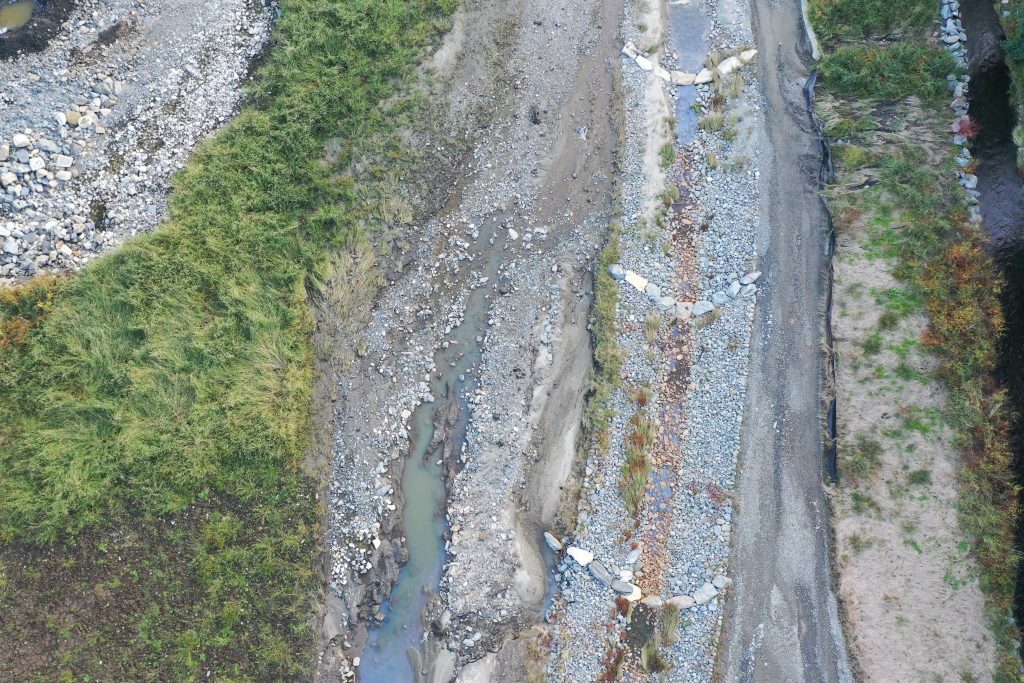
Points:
476	356
1001	201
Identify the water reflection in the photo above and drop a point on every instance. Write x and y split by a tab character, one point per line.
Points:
15	15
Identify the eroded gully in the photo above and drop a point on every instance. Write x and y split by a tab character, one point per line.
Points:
477	357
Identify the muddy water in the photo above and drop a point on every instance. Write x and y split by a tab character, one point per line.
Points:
689	23
1002	201
15	15
393	647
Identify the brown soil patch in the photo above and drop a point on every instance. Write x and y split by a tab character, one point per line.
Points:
134	601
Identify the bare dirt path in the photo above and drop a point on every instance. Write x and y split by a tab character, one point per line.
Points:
782	623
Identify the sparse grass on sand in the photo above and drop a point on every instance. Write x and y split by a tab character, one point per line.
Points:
941	257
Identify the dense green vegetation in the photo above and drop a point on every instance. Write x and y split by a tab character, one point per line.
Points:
607	353
154	408
921	225
889	72
857	19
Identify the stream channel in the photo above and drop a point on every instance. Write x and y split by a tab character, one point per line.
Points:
689	23
437	436
392	652
1001	201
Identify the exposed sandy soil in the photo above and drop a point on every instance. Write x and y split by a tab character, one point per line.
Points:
913	607
903	574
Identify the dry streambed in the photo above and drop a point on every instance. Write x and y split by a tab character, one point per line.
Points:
93	126
645	573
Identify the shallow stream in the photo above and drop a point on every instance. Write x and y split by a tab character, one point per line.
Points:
689	23
15	15
392	647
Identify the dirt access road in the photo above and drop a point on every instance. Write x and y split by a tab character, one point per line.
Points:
782	623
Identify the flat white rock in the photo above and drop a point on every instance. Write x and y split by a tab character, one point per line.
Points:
638	281
681	602
729	65
703	76
704	594
582	557
682	78
702	307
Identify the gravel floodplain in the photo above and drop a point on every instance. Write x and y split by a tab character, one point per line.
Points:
699	251
93	126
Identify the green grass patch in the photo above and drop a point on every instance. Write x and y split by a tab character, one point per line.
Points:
863	503
920	478
898	300
891	72
608	356
861	19
667	154
872	345
851	156
636	470
844	128
174	376
863	457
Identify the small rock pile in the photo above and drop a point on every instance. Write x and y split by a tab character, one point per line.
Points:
675	77
605	574
955	39
739	286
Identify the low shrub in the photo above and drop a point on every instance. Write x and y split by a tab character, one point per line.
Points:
869	18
